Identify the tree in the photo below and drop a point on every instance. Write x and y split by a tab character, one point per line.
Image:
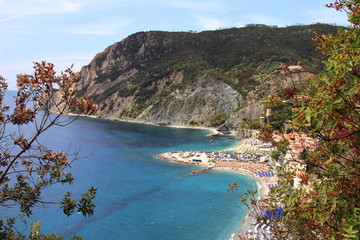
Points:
326	204
218	119
27	167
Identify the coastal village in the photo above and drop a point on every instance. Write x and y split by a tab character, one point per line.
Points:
251	157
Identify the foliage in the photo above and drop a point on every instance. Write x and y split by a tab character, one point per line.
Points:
193	123
240	57
27	167
218	119
275	154
281	148
36	234
326	205
281	114
250	123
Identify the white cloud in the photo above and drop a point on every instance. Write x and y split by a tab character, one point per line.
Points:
199	6
101	27
327	16
209	23
239	24
264	19
11	10
62	62
108	27
9	70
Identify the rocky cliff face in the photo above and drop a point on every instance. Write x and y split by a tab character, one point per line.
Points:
196	103
187	78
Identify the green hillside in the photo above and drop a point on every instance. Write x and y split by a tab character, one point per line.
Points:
142	64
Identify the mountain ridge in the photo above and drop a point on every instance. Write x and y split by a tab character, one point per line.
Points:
187	78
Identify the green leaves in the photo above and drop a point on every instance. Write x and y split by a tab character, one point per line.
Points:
68	205
36	234
218	119
27	166
326	205
85	205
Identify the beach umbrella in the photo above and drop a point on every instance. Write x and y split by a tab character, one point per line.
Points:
277	214
264	212
270	214
281	212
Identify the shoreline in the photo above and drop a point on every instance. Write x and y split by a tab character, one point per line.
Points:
212	130
262	188
248	169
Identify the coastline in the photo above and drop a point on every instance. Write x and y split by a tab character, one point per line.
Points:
243	168
212	130
262	188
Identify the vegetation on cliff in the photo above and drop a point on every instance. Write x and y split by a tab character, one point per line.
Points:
132	77
324	203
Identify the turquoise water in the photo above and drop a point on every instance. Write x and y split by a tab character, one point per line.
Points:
140	196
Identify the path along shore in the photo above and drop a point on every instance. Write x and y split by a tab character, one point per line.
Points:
249	167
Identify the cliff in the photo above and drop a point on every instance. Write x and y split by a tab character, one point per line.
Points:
207	78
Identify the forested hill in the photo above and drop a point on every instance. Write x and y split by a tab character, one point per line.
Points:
198	78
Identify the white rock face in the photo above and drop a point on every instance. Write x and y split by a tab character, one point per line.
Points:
198	102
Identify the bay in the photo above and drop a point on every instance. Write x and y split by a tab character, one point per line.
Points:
140	196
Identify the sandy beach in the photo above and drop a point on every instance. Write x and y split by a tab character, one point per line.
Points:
249	169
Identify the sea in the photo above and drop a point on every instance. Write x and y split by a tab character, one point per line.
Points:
138	195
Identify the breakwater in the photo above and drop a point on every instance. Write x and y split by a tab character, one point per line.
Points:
197	171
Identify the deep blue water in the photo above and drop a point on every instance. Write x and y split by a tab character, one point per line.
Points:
140	196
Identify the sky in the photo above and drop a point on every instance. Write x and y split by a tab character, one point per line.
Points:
67	32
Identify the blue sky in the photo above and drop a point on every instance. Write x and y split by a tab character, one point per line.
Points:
74	31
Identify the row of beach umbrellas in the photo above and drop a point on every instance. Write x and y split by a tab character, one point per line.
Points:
276	213
266	174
